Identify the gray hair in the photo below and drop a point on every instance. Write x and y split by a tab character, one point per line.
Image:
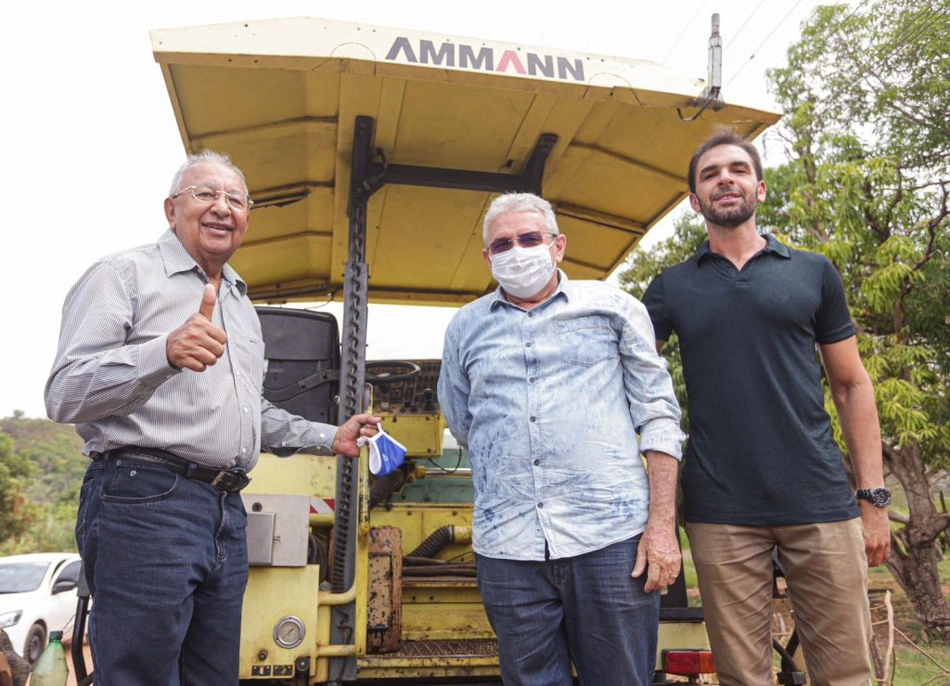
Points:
520	202
202	157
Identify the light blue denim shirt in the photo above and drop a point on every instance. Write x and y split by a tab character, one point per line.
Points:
549	403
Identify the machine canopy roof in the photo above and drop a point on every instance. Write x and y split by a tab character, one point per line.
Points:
282	97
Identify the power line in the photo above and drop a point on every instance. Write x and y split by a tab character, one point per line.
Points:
935	15
910	31
744	24
685	28
771	33
852	12
915	26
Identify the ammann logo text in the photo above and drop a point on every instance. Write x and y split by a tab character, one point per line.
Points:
510	61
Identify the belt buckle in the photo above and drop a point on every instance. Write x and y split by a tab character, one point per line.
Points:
231	481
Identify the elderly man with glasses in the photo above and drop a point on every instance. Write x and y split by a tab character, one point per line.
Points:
555	388
160	367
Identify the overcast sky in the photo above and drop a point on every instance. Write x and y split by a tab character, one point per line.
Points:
89	141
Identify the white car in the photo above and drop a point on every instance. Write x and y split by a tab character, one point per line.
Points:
37	595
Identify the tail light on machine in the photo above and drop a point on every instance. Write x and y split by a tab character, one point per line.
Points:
688	663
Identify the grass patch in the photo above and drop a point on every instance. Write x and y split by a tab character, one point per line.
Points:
913	668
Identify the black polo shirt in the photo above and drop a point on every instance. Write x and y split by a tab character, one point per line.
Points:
761	450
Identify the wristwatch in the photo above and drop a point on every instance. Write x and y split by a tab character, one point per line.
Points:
879	497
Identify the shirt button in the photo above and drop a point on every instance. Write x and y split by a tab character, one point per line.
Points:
533	419
245	410
537	462
540	504
244	450
528	344
531	379
323	435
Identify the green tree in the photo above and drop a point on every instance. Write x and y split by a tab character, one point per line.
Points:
49	492
866	96
15	470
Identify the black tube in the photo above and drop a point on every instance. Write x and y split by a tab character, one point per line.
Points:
436	541
385	487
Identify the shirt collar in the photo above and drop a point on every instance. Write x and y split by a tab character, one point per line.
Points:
563	286
177	259
772	245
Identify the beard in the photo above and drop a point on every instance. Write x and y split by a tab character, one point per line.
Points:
728	217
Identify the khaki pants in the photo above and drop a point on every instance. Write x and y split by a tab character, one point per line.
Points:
826	572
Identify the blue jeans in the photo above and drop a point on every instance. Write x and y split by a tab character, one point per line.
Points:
166	562
586	608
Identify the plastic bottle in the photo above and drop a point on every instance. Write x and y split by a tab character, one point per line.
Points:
51	669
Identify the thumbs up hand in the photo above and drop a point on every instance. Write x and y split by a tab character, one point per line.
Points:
208	300
198	343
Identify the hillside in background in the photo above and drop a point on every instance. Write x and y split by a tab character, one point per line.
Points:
51	494
56	452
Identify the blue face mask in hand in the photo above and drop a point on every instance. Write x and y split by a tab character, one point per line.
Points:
385	452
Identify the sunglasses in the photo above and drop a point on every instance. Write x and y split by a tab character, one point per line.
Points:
525	240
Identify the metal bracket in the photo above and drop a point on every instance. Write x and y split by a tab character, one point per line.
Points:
376	174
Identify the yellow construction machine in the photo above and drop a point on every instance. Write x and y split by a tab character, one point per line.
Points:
371	154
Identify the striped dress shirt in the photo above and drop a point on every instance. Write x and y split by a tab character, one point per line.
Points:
112	378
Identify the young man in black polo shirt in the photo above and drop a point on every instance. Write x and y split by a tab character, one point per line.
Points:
762	468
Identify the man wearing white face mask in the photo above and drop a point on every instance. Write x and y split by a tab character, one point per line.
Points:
548	383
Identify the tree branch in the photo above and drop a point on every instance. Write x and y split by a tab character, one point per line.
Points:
932	226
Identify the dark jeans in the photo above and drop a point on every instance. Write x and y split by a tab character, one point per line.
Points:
166	562
586	608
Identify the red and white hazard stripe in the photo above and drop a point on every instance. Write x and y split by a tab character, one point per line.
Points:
322	505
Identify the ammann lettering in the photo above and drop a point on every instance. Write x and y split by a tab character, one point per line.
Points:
484	59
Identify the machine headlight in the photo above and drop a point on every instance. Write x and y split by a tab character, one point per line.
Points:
10	618
289	632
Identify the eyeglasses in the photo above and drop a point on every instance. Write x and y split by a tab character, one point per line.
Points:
525	240
236	201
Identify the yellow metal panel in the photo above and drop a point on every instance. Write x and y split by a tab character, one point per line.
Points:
533	124
420	434
273	593
282	152
276	96
361	583
286	211
591	243
285	261
443	233
444	621
380	667
436	141
298	474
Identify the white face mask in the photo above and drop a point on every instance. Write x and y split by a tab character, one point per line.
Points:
523	272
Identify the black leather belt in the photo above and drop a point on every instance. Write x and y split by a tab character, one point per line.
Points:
227	480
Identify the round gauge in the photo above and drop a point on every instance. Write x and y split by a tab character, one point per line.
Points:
289	632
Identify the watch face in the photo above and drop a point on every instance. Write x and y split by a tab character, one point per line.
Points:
879	497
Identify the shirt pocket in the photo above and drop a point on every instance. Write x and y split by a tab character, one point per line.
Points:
586	341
